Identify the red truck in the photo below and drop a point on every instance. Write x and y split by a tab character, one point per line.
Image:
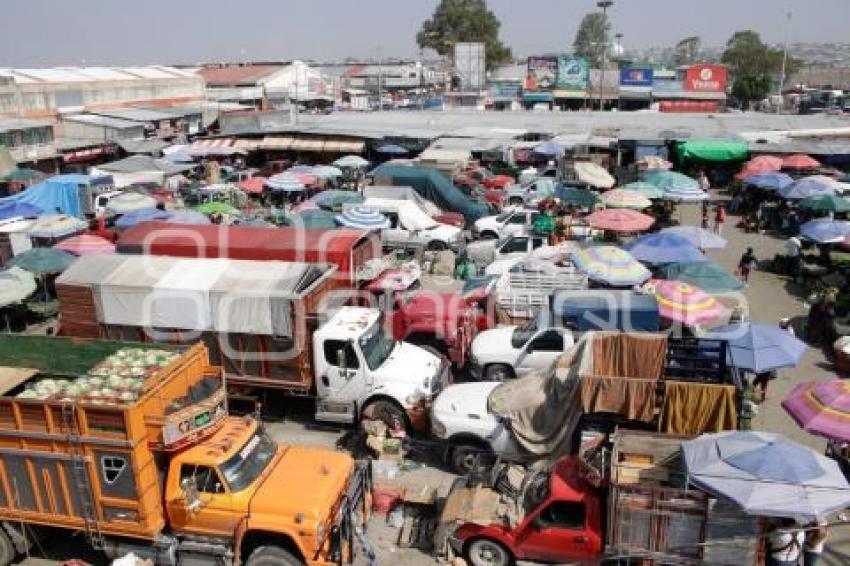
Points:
634	507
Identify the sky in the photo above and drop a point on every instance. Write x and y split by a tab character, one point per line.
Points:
40	33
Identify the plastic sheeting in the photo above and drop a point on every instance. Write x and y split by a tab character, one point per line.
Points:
51	197
410	216
402	193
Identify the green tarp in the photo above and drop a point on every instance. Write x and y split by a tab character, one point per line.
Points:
712	150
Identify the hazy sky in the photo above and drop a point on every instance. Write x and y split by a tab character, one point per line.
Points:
104	32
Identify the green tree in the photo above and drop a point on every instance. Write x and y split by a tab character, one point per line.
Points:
753	66
457	21
687	50
592	37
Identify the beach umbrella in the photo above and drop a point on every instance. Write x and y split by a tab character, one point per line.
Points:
43	261
705	275
134	217
576	196
550	148
772	180
624	198
285	182
14	209
15	286
662	248
335	199
654	162
254	185
825	203
56	226
825	231
759	347
128	202
683	303
593	174
699	237
22	176
760	164
216	208
685	195
821	408
326	172
305	179
392	149
186	217
352	162
648	190
766	474
610	265
805	188
316	219
362	217
619	220
86	244
670	181
799	161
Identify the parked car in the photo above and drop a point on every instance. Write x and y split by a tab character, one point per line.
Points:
513	221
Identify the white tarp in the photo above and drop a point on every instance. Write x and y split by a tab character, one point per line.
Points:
402	193
410	216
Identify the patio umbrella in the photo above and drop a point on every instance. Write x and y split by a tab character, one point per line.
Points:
335	199
22	175
351	161
805	188
821	408
773	180
624	198
799	161
15	286
610	265
284	182
56	226
654	162
216	208
699	237
43	261
254	185
582	198
86	244
362	217
326	172
683	303
761	164
392	149
766	474
663	248
670	180
595	175
134	217
550	148
128	202
305	179
616	220
316	219
825	231
825	203
648	190
759	347
14	209
705	275
186	217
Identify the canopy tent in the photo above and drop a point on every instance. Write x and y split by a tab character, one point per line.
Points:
712	150
57	195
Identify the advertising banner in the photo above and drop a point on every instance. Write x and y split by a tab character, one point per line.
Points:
705	78
573	73
542	72
632	76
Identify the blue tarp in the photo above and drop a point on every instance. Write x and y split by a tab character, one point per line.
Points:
432	185
59	194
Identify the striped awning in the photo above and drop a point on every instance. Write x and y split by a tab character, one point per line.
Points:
244	146
277	142
217	146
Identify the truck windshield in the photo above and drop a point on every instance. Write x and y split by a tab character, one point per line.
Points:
523	334
376	346
249	462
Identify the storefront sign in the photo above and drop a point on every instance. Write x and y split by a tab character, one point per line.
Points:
705	78
542	72
573	73
631	76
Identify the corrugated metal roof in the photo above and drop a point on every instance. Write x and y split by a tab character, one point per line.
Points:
105	121
9	124
94	74
139	114
247	75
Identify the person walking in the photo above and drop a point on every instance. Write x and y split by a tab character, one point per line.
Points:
719	219
784	544
745	266
816	534
703	181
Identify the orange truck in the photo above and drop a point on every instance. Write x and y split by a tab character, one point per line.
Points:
132	445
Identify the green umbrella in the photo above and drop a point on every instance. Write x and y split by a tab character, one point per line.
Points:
15	286
23	175
43	261
216	208
316	219
648	190
825	203
576	196
706	275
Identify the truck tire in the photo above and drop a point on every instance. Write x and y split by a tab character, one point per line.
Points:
498	372
462	456
386	411
437	246
272	556
7	548
486	552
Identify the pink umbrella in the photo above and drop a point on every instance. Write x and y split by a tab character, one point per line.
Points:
684	303
254	185
821	407
620	220
760	164
305	179
800	161
86	244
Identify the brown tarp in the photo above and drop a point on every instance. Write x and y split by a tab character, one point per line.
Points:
632	398
697	408
629	355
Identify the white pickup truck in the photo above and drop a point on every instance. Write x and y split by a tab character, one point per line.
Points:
411	228
513	221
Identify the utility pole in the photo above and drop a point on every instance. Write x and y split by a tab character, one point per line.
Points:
780	103
604	4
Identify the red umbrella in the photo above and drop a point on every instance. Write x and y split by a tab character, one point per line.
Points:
254	185
760	164
86	244
799	161
620	220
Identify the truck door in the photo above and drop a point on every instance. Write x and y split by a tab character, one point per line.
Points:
517	224
396	233
214	515
541	351
558	533
342	380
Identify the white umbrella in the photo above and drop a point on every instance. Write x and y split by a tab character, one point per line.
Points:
352	161
128	202
595	175
15	286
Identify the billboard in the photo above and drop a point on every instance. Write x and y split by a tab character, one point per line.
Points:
633	76
542	72
705	78
573	73
470	65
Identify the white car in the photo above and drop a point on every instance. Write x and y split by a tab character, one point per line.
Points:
512	351
513	221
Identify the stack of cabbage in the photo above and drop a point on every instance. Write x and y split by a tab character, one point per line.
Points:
120	378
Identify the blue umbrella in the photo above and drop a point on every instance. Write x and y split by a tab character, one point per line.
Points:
392	149
14	209
550	148
697	236
137	216
363	217
771	181
759	347
663	248
187	217
806	188
825	231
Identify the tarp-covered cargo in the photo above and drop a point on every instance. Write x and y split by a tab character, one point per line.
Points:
605	310
63	194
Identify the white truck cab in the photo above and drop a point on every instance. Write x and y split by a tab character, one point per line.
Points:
102	199
360	369
513	221
518	246
410	227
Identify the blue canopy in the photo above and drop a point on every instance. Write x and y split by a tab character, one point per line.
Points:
14	209
661	248
759	347
771	181
804	188
825	231
142	215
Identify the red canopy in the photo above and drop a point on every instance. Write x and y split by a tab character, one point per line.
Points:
799	161
254	185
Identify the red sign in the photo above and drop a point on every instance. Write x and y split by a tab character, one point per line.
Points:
705	78
90	154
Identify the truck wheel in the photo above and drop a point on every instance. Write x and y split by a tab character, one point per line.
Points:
7	548
498	372
385	411
486	552
462	457
272	556
437	246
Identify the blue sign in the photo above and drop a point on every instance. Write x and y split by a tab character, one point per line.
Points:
633	76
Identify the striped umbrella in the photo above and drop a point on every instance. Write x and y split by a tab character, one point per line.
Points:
617	220
648	190
624	198
128	202
610	265
684	303
15	286
821	408
285	182
363	217
56	226
86	244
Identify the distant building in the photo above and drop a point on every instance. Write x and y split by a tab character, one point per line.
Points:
30	143
266	86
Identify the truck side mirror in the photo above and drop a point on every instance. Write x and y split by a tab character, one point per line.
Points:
189	487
